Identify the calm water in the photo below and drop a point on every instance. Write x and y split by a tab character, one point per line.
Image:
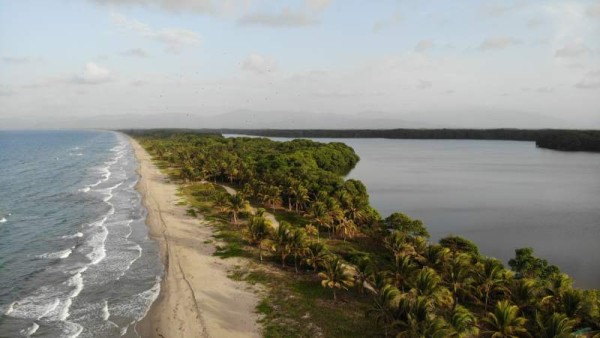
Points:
75	258
503	195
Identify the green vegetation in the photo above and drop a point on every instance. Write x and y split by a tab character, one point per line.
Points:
557	139
333	267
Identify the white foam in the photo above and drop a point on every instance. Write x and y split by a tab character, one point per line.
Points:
97	241
3	220
77	235
30	330
105	312
10	309
57	255
50	309
86	189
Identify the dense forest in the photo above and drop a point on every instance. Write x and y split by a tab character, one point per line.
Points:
565	140
412	286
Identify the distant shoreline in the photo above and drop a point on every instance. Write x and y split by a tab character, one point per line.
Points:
196	299
555	139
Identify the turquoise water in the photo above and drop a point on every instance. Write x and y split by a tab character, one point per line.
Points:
75	258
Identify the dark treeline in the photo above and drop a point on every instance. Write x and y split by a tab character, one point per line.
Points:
565	140
570	140
415	287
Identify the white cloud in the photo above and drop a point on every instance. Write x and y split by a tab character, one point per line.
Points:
591	80
573	50
92	74
593	10
318	5
388	22
197	6
286	18
259	64
424	45
500	42
424	84
174	39
305	15
18	60
135	52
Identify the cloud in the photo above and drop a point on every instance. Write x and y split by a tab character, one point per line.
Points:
573	50
318	5
423	45
17	60
591	80
174	39
423	84
135	52
286	18
388	22
196	6
259	64
496	10
305	15
92	74
593	11
500	42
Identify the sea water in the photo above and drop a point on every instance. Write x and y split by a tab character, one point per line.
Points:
75	257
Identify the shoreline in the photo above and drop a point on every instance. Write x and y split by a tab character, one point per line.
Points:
197	298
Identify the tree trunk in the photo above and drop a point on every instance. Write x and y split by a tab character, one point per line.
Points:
296	263
334	295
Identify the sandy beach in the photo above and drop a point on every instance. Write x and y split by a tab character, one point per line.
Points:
197	299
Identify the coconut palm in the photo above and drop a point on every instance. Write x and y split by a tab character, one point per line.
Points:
259	228
557	325
420	320
505	322
490	279
282	241
336	276
384	307
316	253
427	284
313	231
297	245
236	205
463	323
363	269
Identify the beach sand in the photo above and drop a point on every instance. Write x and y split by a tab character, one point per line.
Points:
197	299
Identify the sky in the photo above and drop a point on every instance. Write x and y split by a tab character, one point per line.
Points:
407	63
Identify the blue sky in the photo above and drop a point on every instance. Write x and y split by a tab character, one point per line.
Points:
431	60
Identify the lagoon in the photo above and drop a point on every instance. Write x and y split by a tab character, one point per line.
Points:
502	195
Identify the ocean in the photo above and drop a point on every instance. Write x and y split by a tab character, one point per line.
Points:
75	256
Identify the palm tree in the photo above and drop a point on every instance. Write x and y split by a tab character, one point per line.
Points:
491	278
347	228
427	283
462	323
505	322
297	244
457	276
259	230
363	269
558	325
383	307
420	321
312	230
404	269
336	276
316	253
282	241
236	205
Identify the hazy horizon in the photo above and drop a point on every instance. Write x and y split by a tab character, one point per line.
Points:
299	64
